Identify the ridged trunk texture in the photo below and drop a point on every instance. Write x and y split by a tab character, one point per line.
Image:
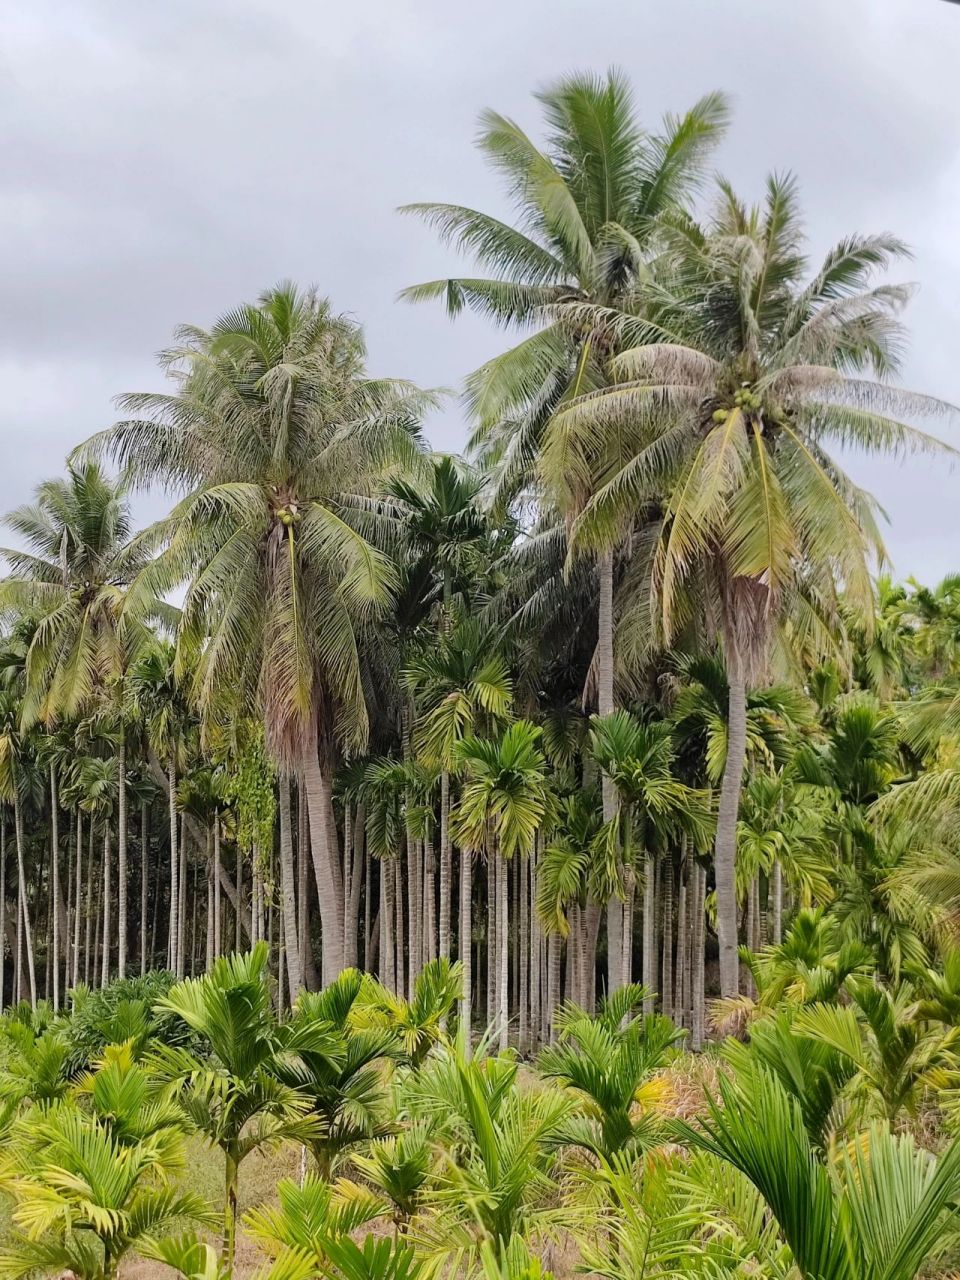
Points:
174	871
605	705
324	846
55	877
725	852
288	893
446	859
122	855
466	947
144	882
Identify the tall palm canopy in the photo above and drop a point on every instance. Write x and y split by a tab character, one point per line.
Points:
282	442
587	206
742	378
71	579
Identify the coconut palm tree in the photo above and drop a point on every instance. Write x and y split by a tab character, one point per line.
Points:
281	440
742	378
502	805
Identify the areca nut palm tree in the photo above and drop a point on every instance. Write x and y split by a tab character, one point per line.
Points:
741	379
502	805
280	440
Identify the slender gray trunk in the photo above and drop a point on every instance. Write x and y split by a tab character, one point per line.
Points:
466	948
324	846
666	895
553	982
105	952
503	943
182	903
90	905
683	952
122	855
605	705
776	909
400	934
388	973
287	895
174	869
523	953
22	879
725	855
144	881
352	904
649	930
697	978
535	947
78	907
55	882
446	867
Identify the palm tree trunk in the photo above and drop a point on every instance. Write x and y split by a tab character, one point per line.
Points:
367	907
208	959
291	950
388	973
553	981
324	846
466	948
697	977
182	902
174	870
629	909
144	881
536	1006
304	943
429	902
413	909
217	903
776	910
400	932
666	895
605	705
446	859
493	920
17	993
725	854
105	955
352	904
122	856
90	905
523	954
683	950
239	905
22	879
55	876
78	888
649	929
503	945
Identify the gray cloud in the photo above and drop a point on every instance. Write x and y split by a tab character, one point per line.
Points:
161	162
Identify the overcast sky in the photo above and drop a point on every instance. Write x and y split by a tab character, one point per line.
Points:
161	162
